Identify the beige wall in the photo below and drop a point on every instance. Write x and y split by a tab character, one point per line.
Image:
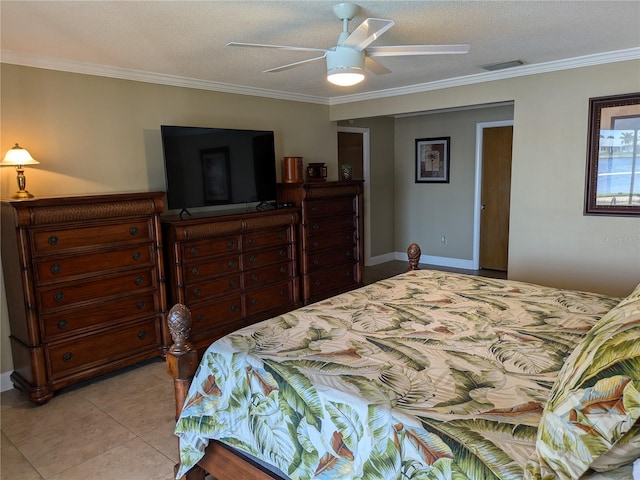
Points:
426	212
551	241
94	135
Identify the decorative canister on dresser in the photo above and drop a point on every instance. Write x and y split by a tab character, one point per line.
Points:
292	170
84	282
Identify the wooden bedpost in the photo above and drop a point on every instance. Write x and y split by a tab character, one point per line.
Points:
182	363
414	252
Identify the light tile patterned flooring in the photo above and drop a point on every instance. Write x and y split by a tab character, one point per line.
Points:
119	426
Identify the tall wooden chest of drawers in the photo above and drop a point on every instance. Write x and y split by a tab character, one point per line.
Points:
84	283
331	255
232	270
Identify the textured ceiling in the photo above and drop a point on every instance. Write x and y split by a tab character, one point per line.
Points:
187	39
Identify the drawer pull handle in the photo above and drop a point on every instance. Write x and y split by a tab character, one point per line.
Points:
231	244
254	301
67	357
62	324
195	271
315	226
142	334
348	274
232	283
231	264
251	241
315	244
283	253
234	308
140	305
252	259
314	209
281	236
283	292
254	277
55	268
52	240
133	230
200	318
317	283
194	251
316	261
139	281
347	254
196	292
283	269
58	297
136	255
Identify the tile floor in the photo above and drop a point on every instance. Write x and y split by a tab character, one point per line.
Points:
119	426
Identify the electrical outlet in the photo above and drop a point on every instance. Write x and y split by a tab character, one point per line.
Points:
443	239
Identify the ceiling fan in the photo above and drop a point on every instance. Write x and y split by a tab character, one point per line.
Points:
347	60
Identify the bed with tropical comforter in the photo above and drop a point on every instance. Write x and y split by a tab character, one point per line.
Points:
428	375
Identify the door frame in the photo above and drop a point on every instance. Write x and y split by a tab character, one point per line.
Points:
478	186
366	173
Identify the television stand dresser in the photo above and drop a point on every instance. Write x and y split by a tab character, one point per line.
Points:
232	269
84	283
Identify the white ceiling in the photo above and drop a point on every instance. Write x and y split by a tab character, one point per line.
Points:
184	42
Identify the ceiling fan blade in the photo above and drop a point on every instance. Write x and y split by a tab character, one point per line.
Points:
375	67
367	32
391	51
281	47
295	64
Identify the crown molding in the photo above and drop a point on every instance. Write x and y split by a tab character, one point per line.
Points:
524	70
38	61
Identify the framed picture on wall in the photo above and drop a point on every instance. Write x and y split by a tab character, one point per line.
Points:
432	160
613	156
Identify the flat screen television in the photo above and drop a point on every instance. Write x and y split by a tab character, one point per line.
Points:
217	166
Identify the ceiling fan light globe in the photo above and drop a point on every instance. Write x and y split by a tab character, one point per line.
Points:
344	78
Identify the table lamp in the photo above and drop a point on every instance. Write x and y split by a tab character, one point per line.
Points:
18	157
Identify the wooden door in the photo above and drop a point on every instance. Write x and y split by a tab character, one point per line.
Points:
350	151
496	190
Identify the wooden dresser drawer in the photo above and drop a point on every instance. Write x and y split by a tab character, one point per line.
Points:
271	274
198	292
61	268
269	297
336	241
56	240
196	272
74	320
323	226
109	345
63	295
335	206
332	278
220	312
210	246
331	257
265	238
266	257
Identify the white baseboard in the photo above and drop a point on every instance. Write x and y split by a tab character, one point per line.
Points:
5	381
424	259
387	257
439	261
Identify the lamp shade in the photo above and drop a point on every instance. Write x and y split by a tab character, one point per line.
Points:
345	66
18	156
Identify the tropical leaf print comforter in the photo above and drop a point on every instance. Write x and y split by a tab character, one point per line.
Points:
424	375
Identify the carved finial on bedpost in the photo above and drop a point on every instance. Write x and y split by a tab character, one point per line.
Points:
414	252
179	320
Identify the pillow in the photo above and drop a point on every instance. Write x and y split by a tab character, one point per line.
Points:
595	400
